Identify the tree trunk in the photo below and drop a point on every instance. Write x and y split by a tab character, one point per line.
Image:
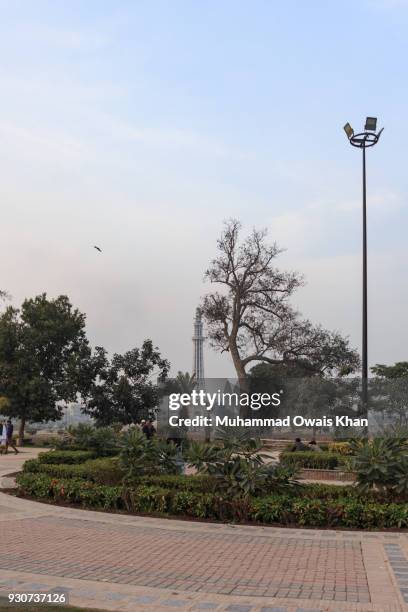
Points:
21	432
243	380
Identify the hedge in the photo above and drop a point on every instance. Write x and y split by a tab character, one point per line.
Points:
102	470
335	492
66	456
197	482
348	512
312	459
107	471
74	490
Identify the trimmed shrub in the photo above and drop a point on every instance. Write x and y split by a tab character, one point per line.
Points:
333	492
70	489
349	511
199	482
147	499
67	456
312	460
191	503
103	470
107	470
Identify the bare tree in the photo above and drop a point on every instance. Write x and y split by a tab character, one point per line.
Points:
251	316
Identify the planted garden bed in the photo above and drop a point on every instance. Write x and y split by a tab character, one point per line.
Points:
129	473
97	484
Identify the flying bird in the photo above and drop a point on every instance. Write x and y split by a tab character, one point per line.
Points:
98	249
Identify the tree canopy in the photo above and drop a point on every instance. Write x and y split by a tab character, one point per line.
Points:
45	358
251	316
125	391
398	370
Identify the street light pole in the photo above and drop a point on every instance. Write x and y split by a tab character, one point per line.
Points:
364	360
363	140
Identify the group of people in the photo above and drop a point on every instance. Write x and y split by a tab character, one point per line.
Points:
148	428
6	437
300	446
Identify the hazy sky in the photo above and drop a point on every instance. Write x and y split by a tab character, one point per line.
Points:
141	126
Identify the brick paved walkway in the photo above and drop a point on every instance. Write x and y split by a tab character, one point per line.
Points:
135	563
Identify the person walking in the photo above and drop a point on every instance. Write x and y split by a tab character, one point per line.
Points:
9	437
3	436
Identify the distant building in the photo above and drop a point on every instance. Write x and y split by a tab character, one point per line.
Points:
198	349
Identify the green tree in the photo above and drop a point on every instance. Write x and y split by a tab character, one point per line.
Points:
125	391
389	390
398	370
186	382
45	358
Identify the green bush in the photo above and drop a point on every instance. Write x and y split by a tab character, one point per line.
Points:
72	490
381	464
103	470
312	460
235	462
147	499
140	456
333	492
194	504
346	509
346	513
197	483
66	456
104	441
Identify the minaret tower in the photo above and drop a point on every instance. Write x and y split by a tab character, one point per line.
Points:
198	344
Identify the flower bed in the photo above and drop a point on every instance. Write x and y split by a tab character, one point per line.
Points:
312	505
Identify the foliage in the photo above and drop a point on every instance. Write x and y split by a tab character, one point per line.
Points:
4	403
44	358
184	382
102	470
342	448
139	456
311	460
235	462
104	441
70	490
382	464
66	456
252	317
197	482
125	392
390	397
398	370
345	509
389	391
349	513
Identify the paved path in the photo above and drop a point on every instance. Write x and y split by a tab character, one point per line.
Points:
123	562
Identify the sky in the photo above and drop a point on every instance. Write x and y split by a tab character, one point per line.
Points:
141	126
